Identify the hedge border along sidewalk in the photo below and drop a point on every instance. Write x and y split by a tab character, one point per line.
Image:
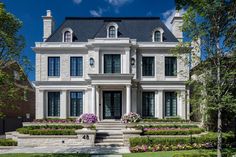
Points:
150	141
173	132
7	142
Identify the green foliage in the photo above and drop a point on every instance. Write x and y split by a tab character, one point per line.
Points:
7	142
174	119
167	126
174	132
52	132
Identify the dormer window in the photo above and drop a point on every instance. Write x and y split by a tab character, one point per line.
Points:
67	35
112	30
157	35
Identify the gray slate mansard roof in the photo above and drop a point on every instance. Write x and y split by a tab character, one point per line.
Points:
85	28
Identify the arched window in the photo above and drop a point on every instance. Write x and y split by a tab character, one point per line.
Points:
112	32
157	36
67	36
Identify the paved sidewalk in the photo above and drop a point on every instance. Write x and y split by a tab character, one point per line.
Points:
68	149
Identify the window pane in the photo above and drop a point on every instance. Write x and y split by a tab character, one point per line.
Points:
112	63
157	36
53	66
170	66
148	67
76	66
170	104
54	104
112	32
76	103
148	104
67	36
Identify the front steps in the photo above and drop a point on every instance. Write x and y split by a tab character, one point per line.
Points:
109	133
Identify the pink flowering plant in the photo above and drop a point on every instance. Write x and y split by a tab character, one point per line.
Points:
132	117
88	118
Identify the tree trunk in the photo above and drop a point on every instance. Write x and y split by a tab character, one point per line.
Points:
219	126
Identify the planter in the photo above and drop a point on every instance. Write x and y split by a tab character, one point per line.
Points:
87	126
130	126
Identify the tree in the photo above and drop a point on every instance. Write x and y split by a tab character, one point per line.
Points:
214	22
11	46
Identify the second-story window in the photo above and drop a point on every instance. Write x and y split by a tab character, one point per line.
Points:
67	36
170	66
112	32
53	66
112	63
157	36
76	66
148	66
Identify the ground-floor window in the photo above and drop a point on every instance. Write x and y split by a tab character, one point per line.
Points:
53	104
148	104
76	103
170	104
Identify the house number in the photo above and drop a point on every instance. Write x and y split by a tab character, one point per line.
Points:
85	137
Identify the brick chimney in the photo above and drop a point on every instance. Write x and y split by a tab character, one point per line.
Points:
48	25
177	23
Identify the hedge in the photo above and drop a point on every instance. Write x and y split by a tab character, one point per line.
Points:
7	142
150	141
204	155
174	119
174	132
52	132
167	126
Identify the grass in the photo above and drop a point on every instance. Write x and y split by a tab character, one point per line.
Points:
172	153
44	155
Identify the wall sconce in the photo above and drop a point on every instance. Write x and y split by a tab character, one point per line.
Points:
132	61
91	61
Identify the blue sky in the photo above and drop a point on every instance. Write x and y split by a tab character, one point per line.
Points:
30	13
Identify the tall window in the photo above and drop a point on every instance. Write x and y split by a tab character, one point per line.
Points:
148	67
112	32
76	103
170	104
53	66
54	104
112	63
170	66
76	66
157	36
148	107
67	36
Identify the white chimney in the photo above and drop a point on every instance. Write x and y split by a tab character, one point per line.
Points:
48	25
177	23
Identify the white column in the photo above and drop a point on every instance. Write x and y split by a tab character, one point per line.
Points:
39	104
161	104
187	97
63	104
128	99
156	105
97	103
134	99
127	51
93	99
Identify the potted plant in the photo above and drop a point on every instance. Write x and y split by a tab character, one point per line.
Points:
130	119
87	120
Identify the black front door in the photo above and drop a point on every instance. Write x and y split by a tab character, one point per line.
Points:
112	104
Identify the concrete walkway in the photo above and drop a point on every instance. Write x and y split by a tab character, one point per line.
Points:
67	149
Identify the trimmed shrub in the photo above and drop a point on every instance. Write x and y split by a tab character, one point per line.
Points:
55	120
174	119
52	132
7	142
167	126
173	132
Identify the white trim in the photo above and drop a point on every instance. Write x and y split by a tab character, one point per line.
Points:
63	34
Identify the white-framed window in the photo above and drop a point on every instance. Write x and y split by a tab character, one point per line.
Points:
16	75
67	35
112	30
157	35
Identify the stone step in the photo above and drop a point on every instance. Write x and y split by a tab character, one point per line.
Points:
109	144
106	132
109	137
109	140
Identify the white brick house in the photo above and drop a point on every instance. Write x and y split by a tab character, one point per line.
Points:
109	67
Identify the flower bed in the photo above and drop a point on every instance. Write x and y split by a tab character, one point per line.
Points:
143	144
88	118
167	126
131	117
55	120
7	142
172	131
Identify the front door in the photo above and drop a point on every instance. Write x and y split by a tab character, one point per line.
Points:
112	104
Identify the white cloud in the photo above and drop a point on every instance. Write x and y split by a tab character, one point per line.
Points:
77	1
168	16
97	13
118	3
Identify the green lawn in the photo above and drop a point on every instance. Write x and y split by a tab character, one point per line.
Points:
171	153
44	155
